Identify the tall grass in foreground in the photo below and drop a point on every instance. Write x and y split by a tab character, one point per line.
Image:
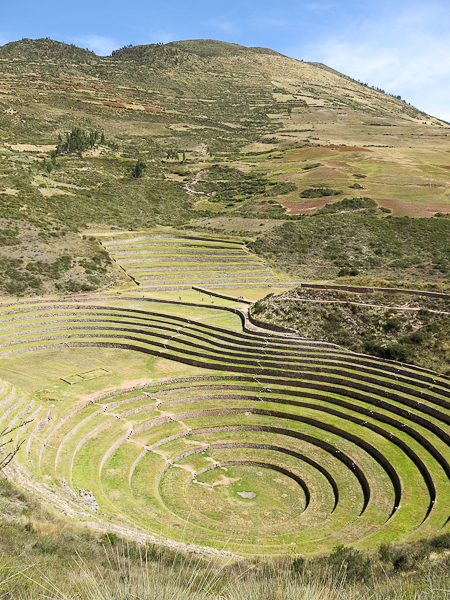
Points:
154	583
179	577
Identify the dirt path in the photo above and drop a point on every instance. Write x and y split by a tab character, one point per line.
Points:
196	179
396	307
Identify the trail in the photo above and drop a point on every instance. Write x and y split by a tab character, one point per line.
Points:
396	306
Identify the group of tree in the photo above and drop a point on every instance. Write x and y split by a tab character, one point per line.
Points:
78	140
175	154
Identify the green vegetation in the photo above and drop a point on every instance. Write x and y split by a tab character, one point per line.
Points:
59	268
77	141
177	261
359	238
319	192
45	542
251	419
139	169
367	323
165	415
230	185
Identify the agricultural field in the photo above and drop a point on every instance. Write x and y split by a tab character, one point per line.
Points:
166	377
236	438
158	261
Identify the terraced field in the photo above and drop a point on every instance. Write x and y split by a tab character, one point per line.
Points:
167	262
280	443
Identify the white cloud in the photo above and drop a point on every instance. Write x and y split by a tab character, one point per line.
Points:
226	26
408	54
102	46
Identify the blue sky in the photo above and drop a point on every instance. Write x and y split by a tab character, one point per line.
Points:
400	46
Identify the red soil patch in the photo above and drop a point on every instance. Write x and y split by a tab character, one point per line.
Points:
153	110
444	166
304	208
405	208
348	148
315	153
283	176
114	104
339	163
104	88
61	86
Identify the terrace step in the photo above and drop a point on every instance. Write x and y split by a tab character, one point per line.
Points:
361	445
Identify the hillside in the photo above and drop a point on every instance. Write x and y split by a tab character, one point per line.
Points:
412	329
235	140
175	369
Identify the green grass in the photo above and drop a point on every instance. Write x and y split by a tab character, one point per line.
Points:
398	249
136	451
395	326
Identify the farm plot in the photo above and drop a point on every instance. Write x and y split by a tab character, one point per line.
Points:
171	261
286	443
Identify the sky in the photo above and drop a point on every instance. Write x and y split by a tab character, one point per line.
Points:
400	46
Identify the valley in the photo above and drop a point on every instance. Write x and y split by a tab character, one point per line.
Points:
201	347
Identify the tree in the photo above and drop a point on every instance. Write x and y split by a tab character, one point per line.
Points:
172	153
77	140
8	451
139	169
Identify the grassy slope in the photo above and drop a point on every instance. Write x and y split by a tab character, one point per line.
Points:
47	545
355	236
379	324
263	119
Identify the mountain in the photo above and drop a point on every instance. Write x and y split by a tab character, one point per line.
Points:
44	49
234	139
147	198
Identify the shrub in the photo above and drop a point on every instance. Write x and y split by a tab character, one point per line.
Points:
351	272
441	542
392	324
418	337
394	351
111	538
385	552
278	188
348	204
139	169
298	565
320	192
258	307
349	562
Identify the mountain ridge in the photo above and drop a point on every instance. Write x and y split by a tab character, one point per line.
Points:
234	139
